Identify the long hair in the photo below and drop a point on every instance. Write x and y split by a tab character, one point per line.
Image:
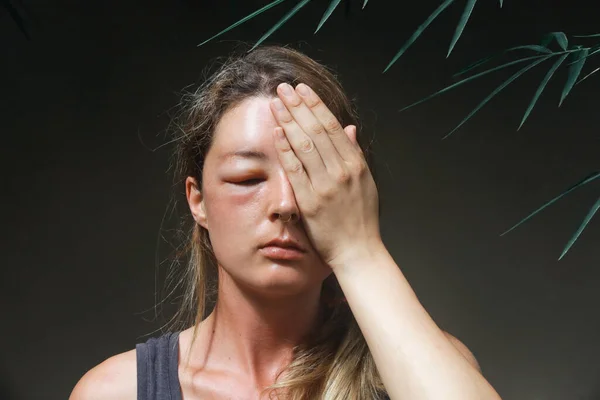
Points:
334	362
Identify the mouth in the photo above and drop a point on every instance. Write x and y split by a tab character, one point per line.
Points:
282	253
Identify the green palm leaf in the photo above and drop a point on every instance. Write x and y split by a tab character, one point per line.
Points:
470	79
579	184
464	18
560	38
496	91
588	75
542	86
574	71
596	50
587	36
593	50
534	47
328	12
501	3
419	31
365	4
587	219
282	21
246	18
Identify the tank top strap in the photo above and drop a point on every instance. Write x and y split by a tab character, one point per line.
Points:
157	368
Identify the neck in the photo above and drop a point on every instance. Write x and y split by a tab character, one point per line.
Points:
256	335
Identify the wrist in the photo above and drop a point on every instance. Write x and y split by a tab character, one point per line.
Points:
359	257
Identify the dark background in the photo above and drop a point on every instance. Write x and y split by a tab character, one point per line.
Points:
85	106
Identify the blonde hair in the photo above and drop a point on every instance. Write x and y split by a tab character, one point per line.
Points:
334	362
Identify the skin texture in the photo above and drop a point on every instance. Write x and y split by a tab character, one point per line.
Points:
266	306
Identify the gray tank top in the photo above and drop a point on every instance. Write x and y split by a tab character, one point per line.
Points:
157	368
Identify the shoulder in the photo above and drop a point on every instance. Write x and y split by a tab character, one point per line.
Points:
115	378
464	350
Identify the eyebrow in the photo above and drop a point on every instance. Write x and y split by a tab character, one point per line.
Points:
245	154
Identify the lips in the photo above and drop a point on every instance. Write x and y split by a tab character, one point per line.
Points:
282	253
283	248
286	243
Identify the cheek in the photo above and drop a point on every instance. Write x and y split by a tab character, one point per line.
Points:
233	218
239	206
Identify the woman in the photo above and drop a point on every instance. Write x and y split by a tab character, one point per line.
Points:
309	303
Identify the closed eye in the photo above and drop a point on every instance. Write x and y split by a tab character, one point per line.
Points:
249	182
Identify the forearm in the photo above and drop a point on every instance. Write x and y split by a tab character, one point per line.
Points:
414	358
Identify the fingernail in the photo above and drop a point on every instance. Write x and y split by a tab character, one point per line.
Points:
286	89
302	89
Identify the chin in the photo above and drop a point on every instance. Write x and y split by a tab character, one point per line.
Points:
281	279
277	278
277	281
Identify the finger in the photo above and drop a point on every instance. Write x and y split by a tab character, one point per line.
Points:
340	140
294	169
351	132
312	127
302	145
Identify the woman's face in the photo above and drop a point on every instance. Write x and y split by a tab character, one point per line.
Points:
241	201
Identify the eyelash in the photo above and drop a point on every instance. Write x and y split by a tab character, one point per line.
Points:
247	182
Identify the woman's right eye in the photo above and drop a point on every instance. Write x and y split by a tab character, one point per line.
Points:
249	182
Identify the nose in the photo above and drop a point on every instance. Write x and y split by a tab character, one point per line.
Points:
283	200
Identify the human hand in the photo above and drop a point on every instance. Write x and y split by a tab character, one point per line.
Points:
333	186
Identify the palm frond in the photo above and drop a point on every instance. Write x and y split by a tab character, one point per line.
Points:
332	6
365	4
592	51
559	37
501	3
542	86
574	72
583	225
534	47
419	31
464	18
280	23
579	53
579	184
508	64
587	36
588	75
246	18
496	91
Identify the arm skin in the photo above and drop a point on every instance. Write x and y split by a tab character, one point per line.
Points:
416	359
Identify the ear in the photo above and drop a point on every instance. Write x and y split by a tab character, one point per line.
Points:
196	201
